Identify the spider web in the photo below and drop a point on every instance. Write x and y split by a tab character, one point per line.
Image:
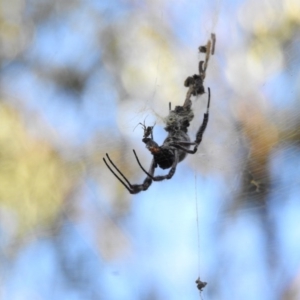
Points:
238	151
230	212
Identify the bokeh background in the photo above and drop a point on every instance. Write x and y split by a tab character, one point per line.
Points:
76	78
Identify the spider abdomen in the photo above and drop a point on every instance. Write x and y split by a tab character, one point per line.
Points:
164	158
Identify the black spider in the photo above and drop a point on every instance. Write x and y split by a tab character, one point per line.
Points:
171	152
177	144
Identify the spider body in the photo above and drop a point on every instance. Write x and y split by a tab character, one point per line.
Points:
173	150
177	143
164	155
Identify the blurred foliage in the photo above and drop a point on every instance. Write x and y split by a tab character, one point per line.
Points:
125	60
33	177
40	172
272	49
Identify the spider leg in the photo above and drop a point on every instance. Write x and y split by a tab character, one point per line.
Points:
209	49
201	70
199	135
213	39
207	56
132	188
160	177
179	146
128	185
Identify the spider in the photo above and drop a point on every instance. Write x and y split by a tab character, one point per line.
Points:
177	144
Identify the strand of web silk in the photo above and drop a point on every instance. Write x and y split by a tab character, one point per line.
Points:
216	14
212	19
197	218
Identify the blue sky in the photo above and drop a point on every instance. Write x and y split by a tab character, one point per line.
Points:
158	236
